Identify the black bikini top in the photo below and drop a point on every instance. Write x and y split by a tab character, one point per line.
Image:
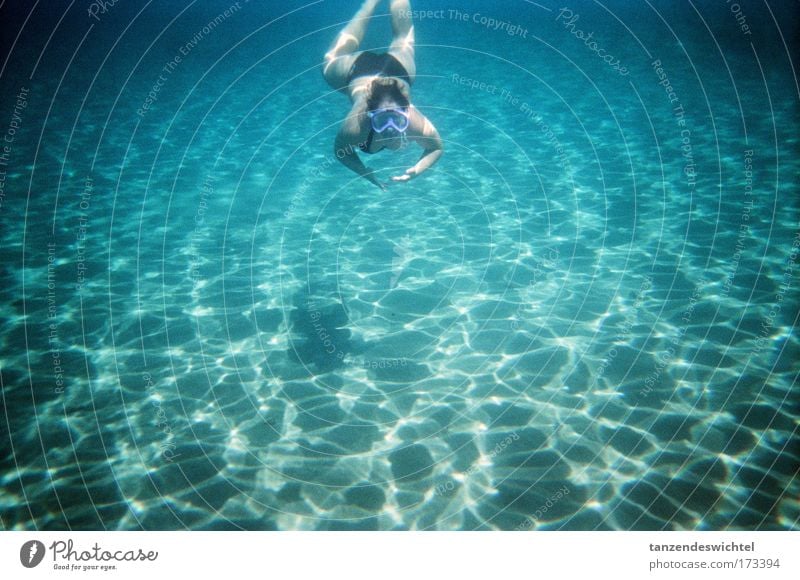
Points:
366	144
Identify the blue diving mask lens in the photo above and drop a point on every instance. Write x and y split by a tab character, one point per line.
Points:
382	119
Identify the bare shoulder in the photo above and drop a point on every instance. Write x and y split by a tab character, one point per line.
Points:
355	127
423	131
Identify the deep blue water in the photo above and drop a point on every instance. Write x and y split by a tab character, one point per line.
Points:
584	317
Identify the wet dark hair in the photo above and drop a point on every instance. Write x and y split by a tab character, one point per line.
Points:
383	89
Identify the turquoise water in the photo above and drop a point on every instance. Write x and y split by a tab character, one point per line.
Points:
583	318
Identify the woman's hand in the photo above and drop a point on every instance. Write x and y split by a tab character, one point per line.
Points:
407	175
372	179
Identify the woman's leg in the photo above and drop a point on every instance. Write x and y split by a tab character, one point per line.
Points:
344	50
402	47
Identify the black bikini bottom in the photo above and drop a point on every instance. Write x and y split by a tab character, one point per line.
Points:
370	63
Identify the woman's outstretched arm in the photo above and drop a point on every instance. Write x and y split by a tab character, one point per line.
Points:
345	151
428	138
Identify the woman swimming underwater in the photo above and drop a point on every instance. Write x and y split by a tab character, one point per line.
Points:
379	86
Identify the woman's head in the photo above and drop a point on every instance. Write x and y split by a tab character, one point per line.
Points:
385	92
